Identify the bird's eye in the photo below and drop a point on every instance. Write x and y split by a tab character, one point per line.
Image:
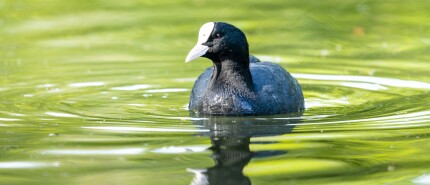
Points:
218	35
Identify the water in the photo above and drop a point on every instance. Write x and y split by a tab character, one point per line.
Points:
96	93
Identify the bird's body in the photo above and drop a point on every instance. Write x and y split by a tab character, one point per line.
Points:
237	84
275	91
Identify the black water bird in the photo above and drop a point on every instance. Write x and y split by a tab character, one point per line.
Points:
239	84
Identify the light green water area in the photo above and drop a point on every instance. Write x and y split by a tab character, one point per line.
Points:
96	92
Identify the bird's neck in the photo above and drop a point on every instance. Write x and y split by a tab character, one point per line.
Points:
233	75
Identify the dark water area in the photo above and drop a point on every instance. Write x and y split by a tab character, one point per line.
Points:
96	92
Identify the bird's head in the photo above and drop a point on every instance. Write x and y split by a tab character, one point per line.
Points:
220	41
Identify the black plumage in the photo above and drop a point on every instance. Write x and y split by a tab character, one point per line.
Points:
238	84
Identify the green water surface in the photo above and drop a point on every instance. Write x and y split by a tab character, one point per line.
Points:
96	92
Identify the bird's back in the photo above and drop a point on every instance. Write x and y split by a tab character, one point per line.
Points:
278	91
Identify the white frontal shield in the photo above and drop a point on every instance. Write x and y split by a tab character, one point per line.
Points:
200	49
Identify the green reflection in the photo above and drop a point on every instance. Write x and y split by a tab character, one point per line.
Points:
95	92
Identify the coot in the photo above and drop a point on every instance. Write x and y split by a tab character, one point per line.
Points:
239	84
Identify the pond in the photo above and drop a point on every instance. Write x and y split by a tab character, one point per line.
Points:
96	92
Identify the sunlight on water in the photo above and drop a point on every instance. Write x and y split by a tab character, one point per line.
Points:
46	86
314	102
167	90
126	151
59	114
87	84
180	149
142	129
421	180
9	119
96	92
367	86
374	80
27	165
132	87
389	119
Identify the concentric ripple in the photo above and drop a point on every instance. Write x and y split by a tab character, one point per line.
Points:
96	92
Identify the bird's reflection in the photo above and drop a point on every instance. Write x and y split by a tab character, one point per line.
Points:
230	138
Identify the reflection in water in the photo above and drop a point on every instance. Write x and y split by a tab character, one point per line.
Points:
230	138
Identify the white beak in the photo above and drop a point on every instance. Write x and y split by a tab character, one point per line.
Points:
200	49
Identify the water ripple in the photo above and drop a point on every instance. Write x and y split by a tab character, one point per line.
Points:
59	114
87	84
366	86
45	85
180	149
27	164
9	119
368	79
132	87
167	90
401	118
143	129
422	180
122	151
316	102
